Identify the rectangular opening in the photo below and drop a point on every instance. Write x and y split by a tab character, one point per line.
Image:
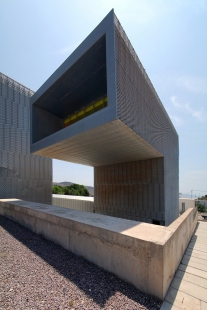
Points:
79	92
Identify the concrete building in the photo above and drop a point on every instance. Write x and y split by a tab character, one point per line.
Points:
22	174
99	108
186	203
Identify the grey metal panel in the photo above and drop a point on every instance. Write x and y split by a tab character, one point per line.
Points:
99	118
105	28
73	203
94	36
123	190
45	125
18	176
139	107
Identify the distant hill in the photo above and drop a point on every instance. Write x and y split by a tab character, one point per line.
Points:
66	183
62	183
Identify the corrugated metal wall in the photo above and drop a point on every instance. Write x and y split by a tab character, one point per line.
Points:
73	202
132	190
22	175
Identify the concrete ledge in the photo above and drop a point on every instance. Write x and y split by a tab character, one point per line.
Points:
143	254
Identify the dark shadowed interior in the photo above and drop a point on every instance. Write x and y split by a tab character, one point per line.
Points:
83	84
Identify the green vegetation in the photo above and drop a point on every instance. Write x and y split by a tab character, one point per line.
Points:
203	198
201	208
73	189
57	189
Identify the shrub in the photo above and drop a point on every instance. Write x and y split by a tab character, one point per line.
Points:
73	189
57	189
201	208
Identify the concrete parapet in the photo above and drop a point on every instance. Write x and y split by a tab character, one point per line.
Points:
143	254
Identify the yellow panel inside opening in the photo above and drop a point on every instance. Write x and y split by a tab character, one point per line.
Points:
98	105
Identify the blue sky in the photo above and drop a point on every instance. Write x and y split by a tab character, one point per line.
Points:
170	38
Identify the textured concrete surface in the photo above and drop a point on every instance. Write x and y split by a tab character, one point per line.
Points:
142	254
188	289
37	274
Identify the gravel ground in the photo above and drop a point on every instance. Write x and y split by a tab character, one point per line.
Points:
38	274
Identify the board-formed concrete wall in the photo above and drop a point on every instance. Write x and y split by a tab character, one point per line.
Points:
142	254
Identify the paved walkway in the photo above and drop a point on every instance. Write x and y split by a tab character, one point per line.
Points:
188	289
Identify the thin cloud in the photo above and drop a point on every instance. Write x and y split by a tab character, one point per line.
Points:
177	121
68	49
199	114
175	102
193	84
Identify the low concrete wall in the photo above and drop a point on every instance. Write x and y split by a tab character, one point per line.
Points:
80	203
181	231
143	254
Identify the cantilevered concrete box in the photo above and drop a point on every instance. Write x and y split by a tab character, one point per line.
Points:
100	109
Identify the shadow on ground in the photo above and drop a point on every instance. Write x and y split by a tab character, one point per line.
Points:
96	283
